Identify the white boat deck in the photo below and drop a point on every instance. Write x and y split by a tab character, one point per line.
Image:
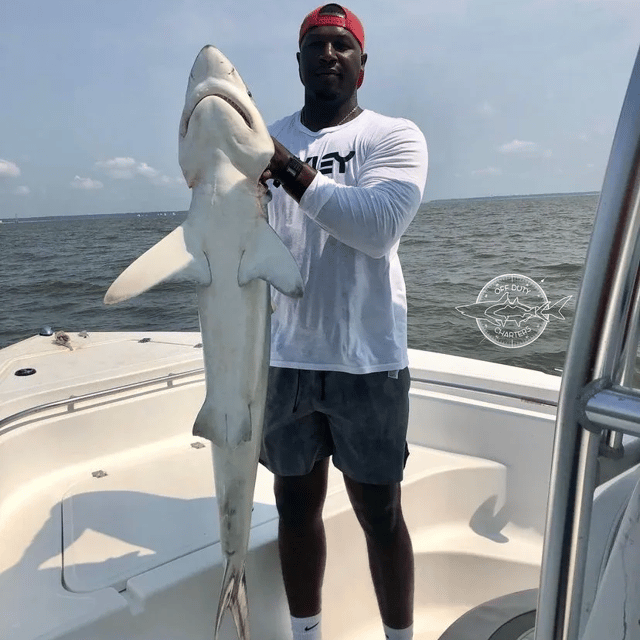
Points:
109	522
95	543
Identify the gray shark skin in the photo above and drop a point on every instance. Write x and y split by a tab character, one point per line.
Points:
227	247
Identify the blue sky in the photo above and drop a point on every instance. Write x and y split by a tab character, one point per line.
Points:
513	96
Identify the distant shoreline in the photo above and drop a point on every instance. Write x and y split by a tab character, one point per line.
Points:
528	196
146	214
84	216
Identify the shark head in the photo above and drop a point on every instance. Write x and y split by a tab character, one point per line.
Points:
220	122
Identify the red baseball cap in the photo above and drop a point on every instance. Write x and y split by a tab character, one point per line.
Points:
349	21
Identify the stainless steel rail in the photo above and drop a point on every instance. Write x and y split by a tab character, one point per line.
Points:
611	444
484	390
72	400
603	341
5	422
616	409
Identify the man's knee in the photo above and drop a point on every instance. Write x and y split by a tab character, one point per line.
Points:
300	499
378	510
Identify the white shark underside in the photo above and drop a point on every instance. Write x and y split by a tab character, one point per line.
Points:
226	246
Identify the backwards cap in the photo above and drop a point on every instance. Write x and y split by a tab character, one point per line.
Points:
349	21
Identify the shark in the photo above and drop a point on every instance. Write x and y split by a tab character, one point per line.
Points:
507	310
227	248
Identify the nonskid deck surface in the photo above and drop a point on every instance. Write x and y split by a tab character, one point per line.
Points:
89	363
126	523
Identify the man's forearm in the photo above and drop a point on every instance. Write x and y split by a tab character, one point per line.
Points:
293	174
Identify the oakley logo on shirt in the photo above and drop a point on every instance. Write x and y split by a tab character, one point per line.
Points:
327	163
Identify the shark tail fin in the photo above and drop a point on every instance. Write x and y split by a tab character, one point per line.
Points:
174	256
555	309
233	597
269	260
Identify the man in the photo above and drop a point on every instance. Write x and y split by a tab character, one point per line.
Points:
352	181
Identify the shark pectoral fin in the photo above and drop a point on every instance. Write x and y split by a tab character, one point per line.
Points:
226	427
268	259
171	257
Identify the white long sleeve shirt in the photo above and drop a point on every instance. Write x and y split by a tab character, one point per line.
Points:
344	235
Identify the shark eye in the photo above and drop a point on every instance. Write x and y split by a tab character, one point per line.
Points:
249	93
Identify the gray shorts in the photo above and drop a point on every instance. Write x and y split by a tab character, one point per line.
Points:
360	420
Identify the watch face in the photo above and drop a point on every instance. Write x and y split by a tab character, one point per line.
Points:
294	167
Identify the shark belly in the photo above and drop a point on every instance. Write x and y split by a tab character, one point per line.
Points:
235	326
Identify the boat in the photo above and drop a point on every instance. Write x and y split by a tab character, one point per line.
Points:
521	491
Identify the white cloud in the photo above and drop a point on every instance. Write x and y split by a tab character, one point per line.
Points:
178	180
145	170
22	191
122	168
9	169
518	146
488	171
86	184
525	149
118	168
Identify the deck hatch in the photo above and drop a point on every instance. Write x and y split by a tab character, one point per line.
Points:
142	514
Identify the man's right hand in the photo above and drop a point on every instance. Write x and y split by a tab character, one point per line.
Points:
277	171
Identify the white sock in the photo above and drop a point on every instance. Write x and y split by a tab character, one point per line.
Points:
398	634
306	628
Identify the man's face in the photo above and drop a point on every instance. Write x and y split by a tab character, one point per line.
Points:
329	62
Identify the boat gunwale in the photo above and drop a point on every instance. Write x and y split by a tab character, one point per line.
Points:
5	423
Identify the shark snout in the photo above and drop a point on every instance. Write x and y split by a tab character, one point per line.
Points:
220	115
213	75
211	63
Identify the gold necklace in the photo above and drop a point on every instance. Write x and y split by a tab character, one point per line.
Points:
303	118
347	116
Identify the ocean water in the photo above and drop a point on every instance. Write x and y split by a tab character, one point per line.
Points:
55	272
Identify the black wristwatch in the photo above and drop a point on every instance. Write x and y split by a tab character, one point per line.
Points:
292	169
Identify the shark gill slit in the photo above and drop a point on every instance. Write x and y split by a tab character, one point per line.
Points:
206	257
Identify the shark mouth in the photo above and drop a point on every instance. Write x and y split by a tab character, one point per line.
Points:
244	115
237	107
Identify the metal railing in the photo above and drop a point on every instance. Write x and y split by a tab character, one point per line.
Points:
70	402
595	400
485	391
